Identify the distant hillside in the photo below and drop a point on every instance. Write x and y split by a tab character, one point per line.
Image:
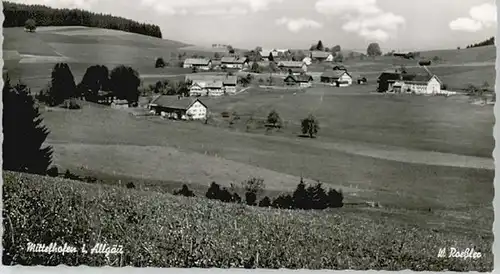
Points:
488	42
17	14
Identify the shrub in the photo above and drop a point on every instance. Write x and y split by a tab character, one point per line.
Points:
160	63
284	201
274	119
30	25
130	185
53	171
265	202
213	191
184	191
250	198
236	198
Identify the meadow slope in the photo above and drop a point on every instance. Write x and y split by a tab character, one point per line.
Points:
174	231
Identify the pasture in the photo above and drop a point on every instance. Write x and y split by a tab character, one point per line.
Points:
174	231
382	149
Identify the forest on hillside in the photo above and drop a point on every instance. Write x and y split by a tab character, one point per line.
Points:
17	14
488	42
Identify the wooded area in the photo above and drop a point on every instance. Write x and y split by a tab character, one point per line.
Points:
16	15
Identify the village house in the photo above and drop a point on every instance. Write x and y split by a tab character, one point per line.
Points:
321	56
199	63
179	108
303	80
307	60
295	67
338	78
216	64
418	83
211	85
234	62
264	54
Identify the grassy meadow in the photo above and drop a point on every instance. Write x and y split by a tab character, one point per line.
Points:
172	231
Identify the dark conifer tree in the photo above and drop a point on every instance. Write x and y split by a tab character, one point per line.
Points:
24	133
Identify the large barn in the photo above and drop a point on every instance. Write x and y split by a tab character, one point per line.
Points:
338	78
179	108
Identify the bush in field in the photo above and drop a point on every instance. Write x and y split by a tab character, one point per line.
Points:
160	63
53	171
310	126
256	68
71	104
23	132
225	196
265	202
184	191
274	119
235	198
213	191
125	83
130	185
250	198
284	201
30	25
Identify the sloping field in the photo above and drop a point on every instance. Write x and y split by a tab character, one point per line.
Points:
174	231
386	178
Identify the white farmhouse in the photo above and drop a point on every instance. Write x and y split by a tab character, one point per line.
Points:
179	108
418	84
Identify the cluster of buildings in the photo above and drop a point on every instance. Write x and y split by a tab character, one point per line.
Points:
211	85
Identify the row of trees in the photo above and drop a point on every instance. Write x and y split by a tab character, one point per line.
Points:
123	82
488	42
167	87
309	125
16	15
305	197
319	47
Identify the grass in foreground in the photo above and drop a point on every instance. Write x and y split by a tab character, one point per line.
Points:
162	230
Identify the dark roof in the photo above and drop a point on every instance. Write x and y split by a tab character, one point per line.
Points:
320	54
335	74
233	60
291	64
226	79
339	68
300	78
197	61
174	102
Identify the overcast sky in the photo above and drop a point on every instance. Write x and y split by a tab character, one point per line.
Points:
394	24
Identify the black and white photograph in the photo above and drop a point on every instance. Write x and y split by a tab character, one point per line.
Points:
249	134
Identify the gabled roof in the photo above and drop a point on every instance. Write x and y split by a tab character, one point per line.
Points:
291	64
211	78
335	74
183	103
320	54
197	61
233	60
214	84
300	78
